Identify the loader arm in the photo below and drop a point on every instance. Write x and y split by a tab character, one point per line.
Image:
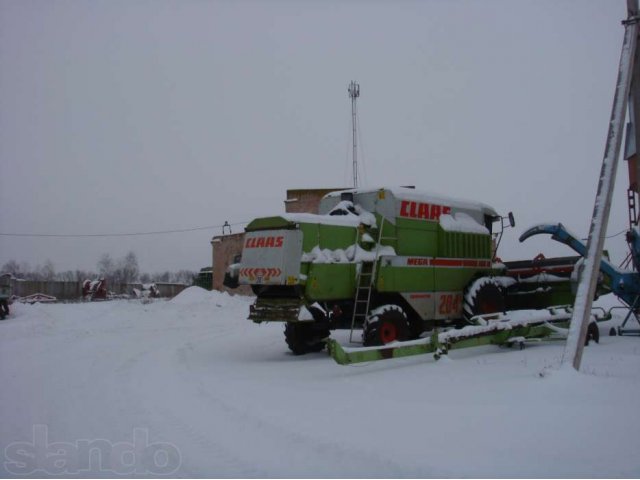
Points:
623	283
560	234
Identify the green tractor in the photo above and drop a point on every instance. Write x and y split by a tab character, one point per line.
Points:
204	279
394	262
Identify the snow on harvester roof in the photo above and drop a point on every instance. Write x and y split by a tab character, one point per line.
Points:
343	214
463	223
410	194
352	254
346	220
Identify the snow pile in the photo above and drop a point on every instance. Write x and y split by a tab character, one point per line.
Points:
319	255
352	254
366	238
198	295
461	222
192	295
348	208
344	214
337	220
504	282
544	277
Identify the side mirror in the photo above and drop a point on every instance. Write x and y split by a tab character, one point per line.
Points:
512	221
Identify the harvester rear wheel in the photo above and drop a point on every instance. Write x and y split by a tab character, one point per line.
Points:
483	296
388	326
305	337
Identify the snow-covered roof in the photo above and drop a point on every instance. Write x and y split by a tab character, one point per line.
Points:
340	220
394	202
463	223
421	196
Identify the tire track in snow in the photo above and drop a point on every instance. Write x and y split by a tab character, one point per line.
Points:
225	435
163	423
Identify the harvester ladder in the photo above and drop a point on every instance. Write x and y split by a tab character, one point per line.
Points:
364	285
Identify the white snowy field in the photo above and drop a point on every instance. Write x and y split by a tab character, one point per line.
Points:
96	389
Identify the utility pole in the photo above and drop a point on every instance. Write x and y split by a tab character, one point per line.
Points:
354	93
602	205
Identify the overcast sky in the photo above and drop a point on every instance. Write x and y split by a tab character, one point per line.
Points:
137	116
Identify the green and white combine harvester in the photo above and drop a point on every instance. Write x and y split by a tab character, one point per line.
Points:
415	272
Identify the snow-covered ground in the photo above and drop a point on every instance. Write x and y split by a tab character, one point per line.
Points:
190	388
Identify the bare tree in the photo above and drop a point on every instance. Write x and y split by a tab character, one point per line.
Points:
129	270
161	277
47	271
106	266
18	270
11	267
82	275
67	276
185	276
124	270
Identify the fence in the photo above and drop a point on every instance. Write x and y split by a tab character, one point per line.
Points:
73	290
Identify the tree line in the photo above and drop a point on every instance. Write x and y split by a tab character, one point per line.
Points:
114	270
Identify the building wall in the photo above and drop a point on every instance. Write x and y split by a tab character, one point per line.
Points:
170	290
225	248
73	290
305	200
60	290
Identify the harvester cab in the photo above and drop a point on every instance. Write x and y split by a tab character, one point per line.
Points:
505	222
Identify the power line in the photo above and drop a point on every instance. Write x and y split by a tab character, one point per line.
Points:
136	234
159	232
610	236
617	234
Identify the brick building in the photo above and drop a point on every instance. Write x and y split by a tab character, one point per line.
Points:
305	200
226	248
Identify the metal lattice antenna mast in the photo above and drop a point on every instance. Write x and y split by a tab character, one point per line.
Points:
354	93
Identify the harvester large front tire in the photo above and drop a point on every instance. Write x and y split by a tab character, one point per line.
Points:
389	325
483	296
305	337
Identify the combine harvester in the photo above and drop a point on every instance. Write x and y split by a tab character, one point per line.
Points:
398	264
418	273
